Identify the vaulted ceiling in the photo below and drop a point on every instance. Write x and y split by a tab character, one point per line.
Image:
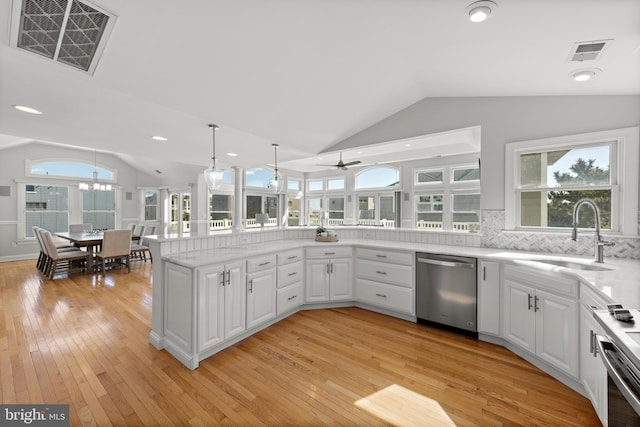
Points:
305	74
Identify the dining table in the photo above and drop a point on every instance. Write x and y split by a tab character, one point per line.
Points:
88	239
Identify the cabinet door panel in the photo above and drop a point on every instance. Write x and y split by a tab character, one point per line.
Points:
519	321
489	297
317	283
261	297
210	308
341	281
235	301
557	331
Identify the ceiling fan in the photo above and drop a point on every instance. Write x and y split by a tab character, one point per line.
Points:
342	165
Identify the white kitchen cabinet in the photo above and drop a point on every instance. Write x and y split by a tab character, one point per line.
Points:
261	290
221	304
489	297
541	322
329	275
385	279
592	370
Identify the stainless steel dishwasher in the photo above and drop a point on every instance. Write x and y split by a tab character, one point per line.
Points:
446	291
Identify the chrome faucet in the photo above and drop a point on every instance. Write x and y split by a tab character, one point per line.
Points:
598	243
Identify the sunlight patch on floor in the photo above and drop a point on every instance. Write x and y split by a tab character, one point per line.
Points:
400	406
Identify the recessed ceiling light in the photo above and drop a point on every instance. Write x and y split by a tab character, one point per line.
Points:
232	155
359	152
407	145
480	11
27	109
159	138
584	75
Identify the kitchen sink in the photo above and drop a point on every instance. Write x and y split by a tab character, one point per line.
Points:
574	264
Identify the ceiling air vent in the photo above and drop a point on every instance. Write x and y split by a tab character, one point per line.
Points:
588	51
71	32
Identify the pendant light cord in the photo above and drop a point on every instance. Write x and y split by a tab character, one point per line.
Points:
213	157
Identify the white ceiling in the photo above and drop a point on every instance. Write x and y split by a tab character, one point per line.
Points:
305	74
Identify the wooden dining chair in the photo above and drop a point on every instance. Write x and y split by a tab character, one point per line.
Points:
116	249
62	261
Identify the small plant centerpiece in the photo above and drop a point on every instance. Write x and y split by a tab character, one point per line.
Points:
324	235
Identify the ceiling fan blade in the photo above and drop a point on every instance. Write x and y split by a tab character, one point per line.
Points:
355	162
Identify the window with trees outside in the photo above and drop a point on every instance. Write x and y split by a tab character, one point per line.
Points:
545	178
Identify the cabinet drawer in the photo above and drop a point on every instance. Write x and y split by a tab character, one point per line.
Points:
401	275
289	298
329	252
405	258
388	296
290	273
261	263
290	256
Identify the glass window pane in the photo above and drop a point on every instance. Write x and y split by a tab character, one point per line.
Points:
257	177
466	174
387	208
98	209
316	185
47	207
336	210
150	205
570	167
366	210
70	169
430	176
335	184
254	206
314	207
378	177
293	214
220	211
271	208
293	185
555	208
466	202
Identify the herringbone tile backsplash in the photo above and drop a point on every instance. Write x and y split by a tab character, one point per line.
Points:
494	236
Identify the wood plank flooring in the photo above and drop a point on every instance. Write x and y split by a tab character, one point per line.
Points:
83	341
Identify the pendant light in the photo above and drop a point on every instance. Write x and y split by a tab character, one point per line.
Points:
95	185
275	183
212	176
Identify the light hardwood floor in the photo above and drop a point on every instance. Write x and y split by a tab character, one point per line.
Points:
83	341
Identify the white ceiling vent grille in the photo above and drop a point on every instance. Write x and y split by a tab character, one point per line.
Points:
71	32
588	51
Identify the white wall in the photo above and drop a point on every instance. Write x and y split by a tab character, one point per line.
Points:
503	120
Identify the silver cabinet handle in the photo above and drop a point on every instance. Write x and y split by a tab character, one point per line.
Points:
331	268
262	264
228	277
292	297
529	306
535	303
223	277
591	343
329	253
292	274
626	391
328	268
445	263
381	295
251	286
292	257
484	273
384	273
380	256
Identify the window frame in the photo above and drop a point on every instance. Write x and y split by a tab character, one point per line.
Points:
29	163
623	173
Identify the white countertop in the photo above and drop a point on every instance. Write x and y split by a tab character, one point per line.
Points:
620	284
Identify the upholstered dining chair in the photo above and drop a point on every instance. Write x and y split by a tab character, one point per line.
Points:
79	228
61	261
116	249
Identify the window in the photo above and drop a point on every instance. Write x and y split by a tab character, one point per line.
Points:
293	211
429	208
428	177
448	198
180	210
378	177
99	209
150	205
47	207
335	184
220	211
377	209
257	177
315	185
545	178
256	204
293	185
336	211
314	209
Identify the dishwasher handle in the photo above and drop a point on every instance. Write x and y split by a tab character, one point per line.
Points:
446	263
